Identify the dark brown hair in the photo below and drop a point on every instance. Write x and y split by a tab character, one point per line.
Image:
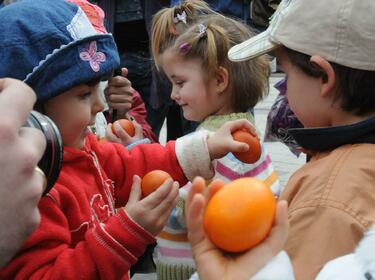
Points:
355	87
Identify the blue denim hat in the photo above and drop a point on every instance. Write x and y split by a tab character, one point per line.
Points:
52	46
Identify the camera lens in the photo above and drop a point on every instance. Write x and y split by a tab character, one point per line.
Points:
51	161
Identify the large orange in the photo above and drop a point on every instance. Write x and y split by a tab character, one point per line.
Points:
126	125
240	215
255	149
152	180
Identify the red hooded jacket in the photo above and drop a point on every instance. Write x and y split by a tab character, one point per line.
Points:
82	235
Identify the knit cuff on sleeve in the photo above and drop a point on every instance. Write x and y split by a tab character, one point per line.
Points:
193	156
128	233
141	141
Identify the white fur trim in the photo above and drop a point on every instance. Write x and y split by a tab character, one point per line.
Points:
192	154
353	266
365	252
342	268
279	267
194	276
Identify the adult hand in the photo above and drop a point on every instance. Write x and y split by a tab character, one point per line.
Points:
211	262
21	149
119	94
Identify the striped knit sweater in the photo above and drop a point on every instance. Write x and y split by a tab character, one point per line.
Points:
172	254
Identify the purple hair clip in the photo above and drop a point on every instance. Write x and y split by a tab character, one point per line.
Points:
184	47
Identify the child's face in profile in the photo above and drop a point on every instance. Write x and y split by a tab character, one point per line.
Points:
198	96
303	93
73	111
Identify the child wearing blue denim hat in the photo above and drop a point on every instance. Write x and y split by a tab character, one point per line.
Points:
94	223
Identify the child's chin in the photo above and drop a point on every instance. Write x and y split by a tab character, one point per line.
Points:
189	117
80	143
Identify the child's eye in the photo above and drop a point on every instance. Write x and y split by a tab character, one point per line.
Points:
85	95
179	83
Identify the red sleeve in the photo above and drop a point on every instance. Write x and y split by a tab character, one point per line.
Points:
106	252
101	251
139	113
122	164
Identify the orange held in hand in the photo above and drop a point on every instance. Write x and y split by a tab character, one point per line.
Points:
240	215
255	149
153	180
126	125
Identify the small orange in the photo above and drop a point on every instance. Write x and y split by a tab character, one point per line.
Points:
127	125
102	140
153	180
240	215
255	149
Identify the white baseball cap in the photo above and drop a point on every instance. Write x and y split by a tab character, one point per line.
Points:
341	31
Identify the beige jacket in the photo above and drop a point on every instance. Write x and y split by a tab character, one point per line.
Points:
331	205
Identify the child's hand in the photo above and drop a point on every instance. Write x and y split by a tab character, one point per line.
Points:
212	263
119	93
122	137
221	142
152	212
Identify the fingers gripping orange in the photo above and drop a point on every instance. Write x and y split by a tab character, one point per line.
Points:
127	125
152	180
255	149
240	215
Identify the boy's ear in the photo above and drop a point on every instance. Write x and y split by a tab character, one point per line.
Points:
222	79
328	82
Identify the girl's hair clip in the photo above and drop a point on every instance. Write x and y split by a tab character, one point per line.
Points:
180	18
184	47
202	30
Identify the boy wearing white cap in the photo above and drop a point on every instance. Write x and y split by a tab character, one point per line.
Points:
327	50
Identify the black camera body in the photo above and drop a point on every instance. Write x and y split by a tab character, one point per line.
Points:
52	159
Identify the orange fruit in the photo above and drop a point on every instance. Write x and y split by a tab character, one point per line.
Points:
102	140
255	149
240	215
153	180
126	125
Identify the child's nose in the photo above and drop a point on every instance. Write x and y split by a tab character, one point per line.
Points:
98	104
174	95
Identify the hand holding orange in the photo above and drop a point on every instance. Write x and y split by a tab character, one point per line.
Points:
240	215
127	125
153	180
255	149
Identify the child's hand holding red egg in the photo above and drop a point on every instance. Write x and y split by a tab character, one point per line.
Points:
152	212
153	180
255	149
124	132
222	141
126	125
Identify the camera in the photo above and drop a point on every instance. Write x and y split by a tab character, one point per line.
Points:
51	161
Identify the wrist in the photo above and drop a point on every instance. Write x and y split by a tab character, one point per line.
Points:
209	147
